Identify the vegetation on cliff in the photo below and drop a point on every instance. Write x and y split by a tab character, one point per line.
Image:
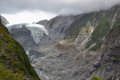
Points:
98	35
14	63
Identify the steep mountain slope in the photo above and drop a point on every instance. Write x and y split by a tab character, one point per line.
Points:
109	64
37	31
23	36
43	22
82	47
58	25
14	63
3	20
100	21
94	19
83	51
28	35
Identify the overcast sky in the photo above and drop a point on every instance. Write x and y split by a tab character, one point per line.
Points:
49	8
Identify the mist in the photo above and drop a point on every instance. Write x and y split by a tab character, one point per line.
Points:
55	6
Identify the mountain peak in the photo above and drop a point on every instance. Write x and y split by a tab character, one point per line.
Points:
3	20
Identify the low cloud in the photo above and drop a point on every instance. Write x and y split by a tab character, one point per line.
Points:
55	6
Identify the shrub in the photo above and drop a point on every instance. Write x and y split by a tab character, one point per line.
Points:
97	78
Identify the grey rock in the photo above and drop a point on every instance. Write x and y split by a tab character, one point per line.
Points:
42	22
3	20
23	36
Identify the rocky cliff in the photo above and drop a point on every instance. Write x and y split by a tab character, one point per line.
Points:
29	35
58	25
42	22
3	20
23	36
110	56
14	63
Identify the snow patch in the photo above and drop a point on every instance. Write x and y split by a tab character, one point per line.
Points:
38	25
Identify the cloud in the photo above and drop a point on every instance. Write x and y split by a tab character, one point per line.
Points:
55	6
27	17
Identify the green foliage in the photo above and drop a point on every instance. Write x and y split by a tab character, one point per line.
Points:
97	46
76	26
13	56
6	74
101	30
114	34
89	44
115	31
97	78
98	34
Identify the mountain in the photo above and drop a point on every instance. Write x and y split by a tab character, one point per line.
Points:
3	20
23	36
58	25
108	65
80	47
28	35
42	22
14	63
37	31
84	47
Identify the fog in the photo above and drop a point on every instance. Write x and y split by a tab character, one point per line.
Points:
55	6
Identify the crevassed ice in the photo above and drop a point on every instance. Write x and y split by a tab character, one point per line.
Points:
38	25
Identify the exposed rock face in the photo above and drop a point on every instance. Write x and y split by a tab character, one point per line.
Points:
58	25
23	36
33	54
91	53
37	32
3	20
110	58
29	35
45	40
83	35
43	22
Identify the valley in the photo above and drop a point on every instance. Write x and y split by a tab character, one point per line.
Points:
74	47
